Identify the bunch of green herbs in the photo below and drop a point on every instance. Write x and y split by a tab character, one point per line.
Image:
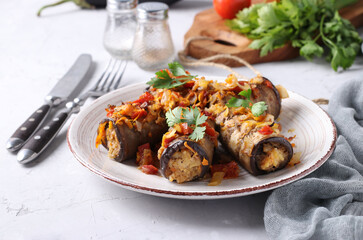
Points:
306	24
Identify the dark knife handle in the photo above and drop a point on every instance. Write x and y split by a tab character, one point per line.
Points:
42	138
17	140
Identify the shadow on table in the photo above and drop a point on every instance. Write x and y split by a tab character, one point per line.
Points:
240	212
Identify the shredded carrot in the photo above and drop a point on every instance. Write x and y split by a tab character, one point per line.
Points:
205	162
100	139
191	149
125	120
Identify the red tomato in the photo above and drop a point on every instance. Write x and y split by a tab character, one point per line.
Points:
146	97
149	169
167	141
109	114
209	130
189	84
230	169
266	130
139	114
186	129
229	8
141	148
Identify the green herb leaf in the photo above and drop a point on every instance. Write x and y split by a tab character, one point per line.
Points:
174	116
163	80
197	134
258	108
311	49
246	93
237	102
200	119
191	116
177	69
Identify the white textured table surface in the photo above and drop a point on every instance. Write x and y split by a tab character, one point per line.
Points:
56	197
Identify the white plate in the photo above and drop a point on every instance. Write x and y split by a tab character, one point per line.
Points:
315	139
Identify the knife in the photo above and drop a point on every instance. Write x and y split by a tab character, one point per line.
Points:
59	94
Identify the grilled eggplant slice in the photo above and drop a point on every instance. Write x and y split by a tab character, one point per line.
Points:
121	141
256	152
270	154
264	90
185	160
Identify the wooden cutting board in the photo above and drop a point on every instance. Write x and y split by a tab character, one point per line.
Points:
209	24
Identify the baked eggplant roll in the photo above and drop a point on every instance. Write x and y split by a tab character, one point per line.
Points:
187	149
258	147
184	160
122	142
131	125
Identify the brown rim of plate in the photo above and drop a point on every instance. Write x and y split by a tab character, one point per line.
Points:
230	193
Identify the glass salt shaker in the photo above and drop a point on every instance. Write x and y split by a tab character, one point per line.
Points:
120	28
153	47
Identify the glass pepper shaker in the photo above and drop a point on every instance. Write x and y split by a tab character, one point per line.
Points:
153	47
120	28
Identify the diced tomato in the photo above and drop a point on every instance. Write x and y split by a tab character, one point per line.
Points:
189	84
141	148
209	130
230	169
139	114
268	83
183	104
186	129
209	115
109	114
167	141
110	110
266	130
149	169
144	155
146	97
237	89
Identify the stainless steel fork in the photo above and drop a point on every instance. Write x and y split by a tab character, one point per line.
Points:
109	80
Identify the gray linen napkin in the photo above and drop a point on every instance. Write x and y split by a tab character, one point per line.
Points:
327	204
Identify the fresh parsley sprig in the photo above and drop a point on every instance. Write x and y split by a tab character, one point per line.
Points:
177	77
191	116
303	23
257	109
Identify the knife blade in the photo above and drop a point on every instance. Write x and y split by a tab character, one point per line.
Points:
59	94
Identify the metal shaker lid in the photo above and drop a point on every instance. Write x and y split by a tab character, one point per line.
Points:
152	11
121	4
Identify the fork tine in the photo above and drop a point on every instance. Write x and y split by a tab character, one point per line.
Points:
107	77
102	76
117	83
114	74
